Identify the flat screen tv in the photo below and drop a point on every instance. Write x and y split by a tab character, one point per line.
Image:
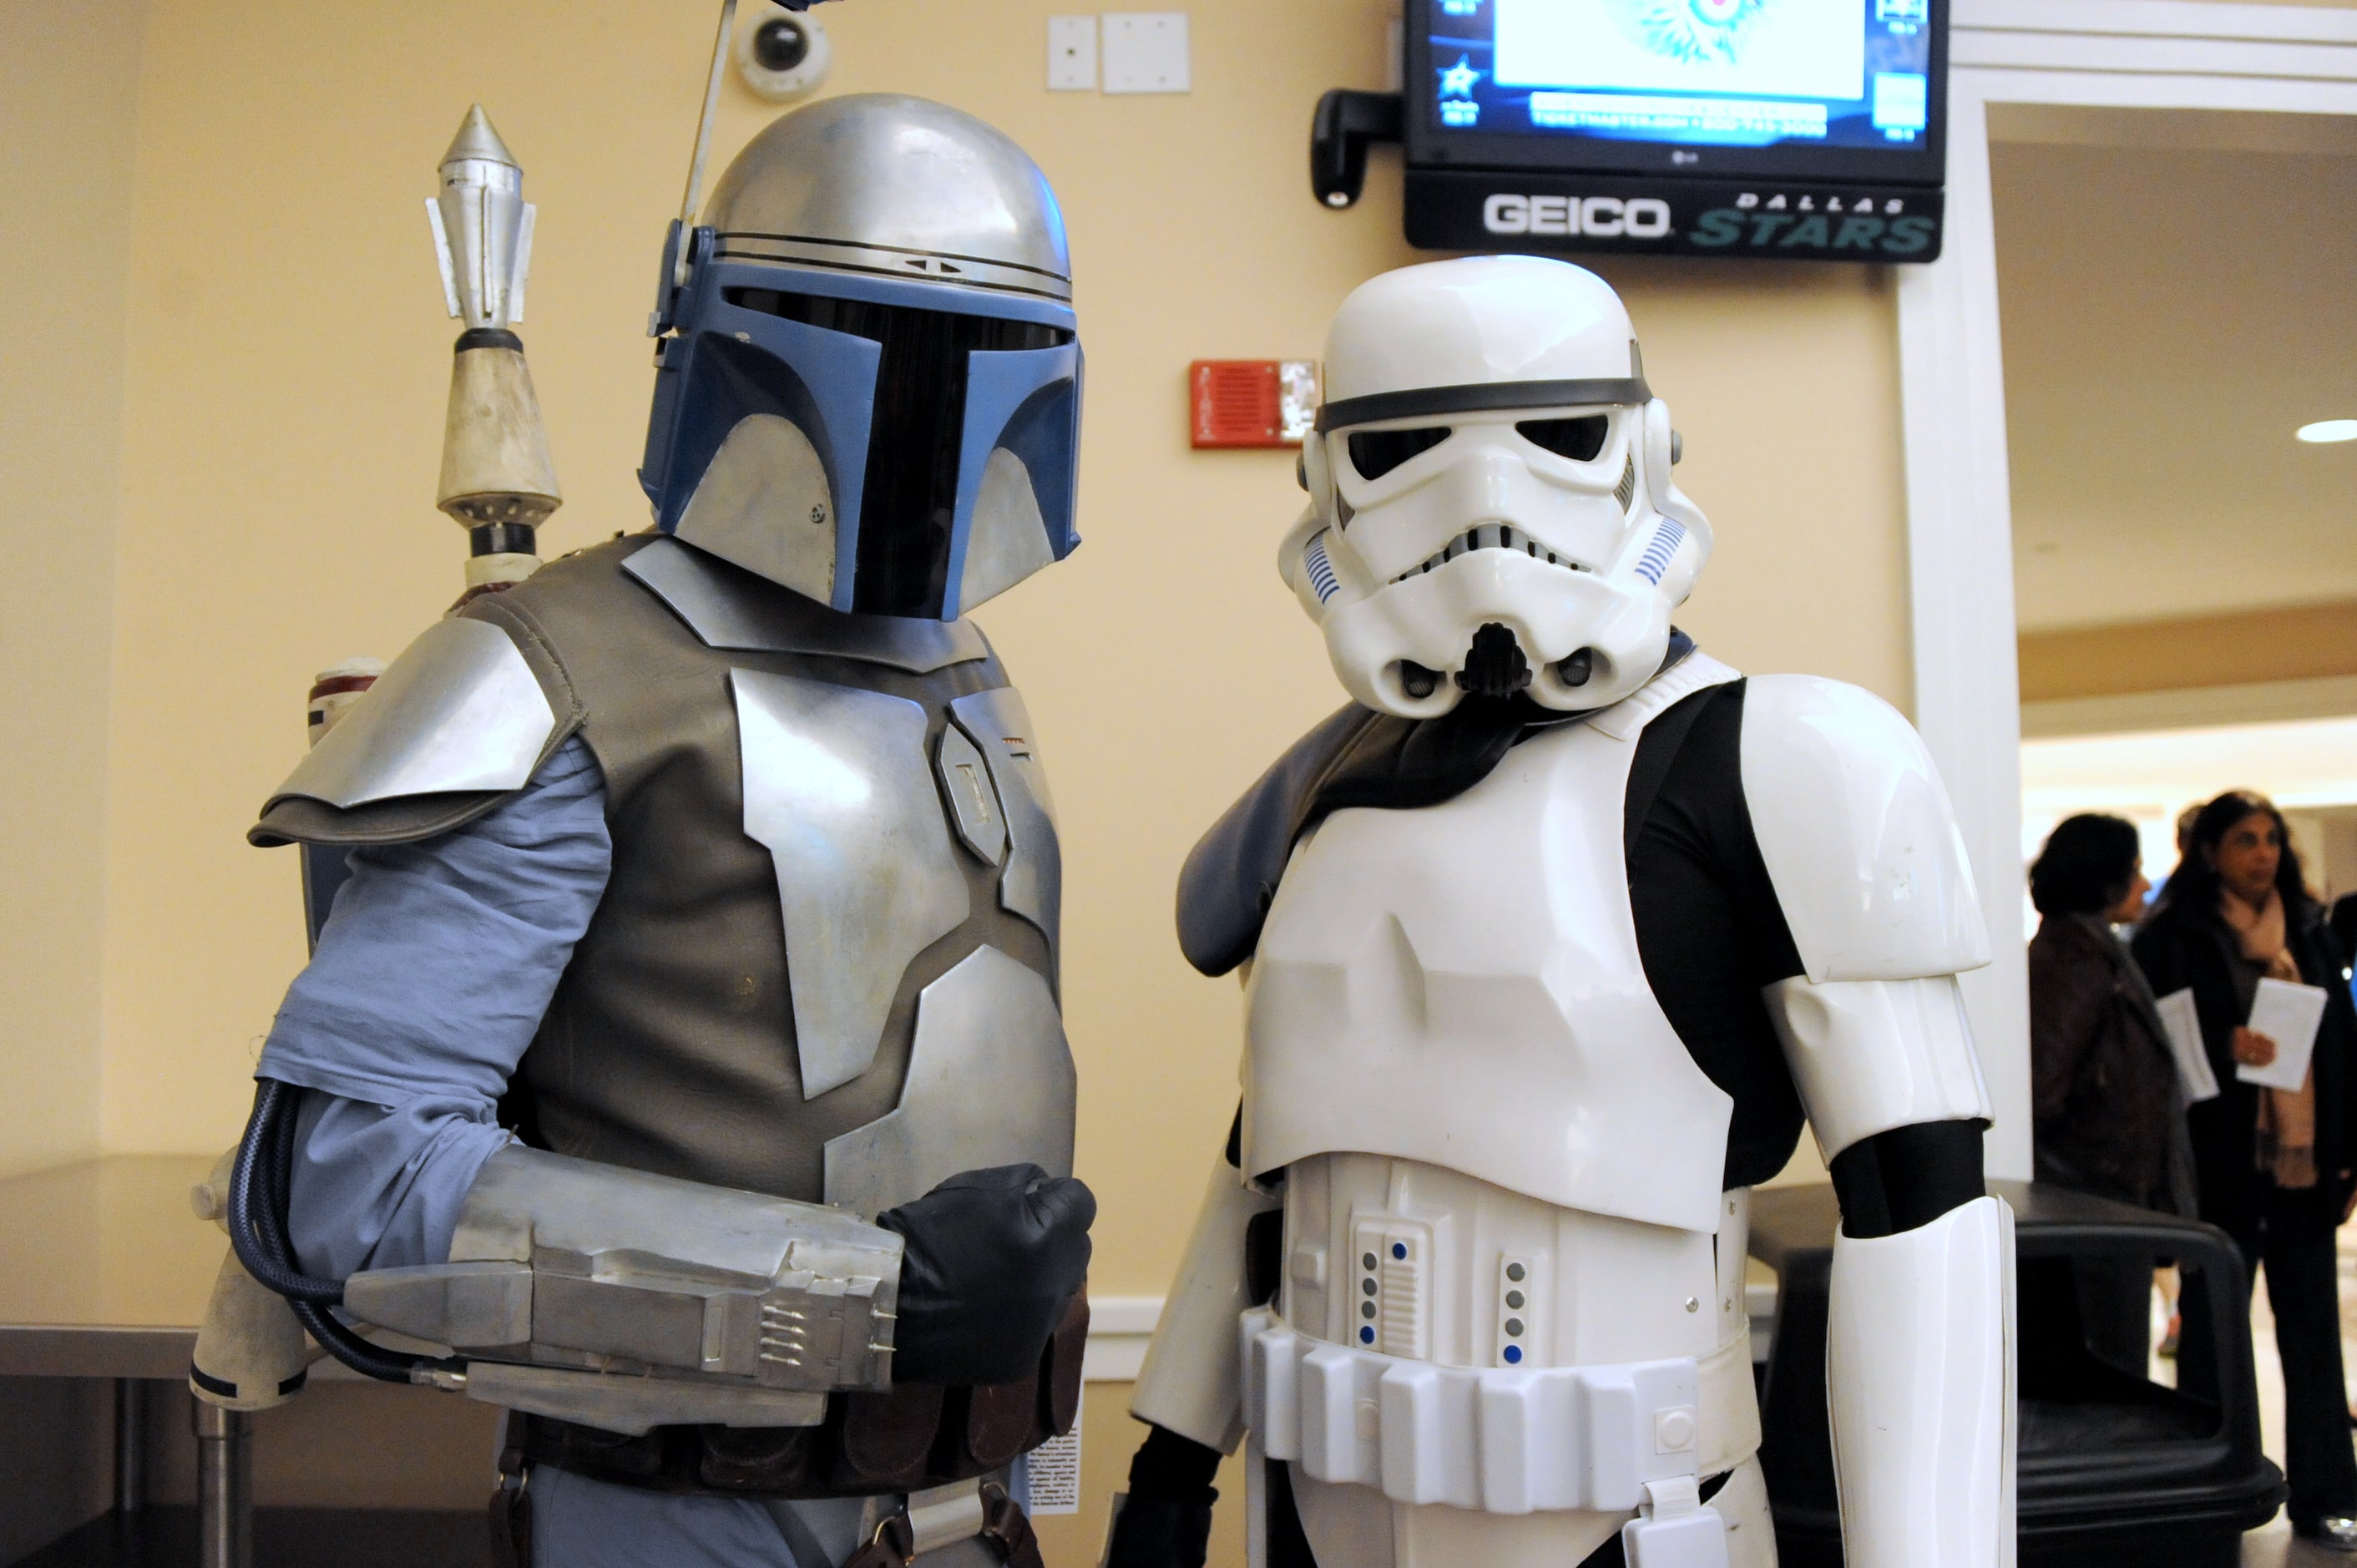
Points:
1804	90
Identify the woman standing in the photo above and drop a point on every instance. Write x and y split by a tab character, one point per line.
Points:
2272	1166
2108	1114
2107	1108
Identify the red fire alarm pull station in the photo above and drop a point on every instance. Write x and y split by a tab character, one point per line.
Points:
1253	402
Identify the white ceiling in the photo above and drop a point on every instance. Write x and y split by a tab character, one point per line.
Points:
2307	763
2307	766
2175	304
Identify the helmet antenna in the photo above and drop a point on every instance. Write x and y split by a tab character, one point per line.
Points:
704	137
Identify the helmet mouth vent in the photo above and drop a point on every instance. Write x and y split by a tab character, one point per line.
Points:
1489	536
1495	665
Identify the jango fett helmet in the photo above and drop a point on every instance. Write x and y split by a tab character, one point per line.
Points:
1490	504
868	387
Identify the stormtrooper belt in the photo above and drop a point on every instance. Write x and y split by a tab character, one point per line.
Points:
1506	1440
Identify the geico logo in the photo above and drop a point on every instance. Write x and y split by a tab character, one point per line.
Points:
1602	217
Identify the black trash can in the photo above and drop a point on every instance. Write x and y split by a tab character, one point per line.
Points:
2114	1467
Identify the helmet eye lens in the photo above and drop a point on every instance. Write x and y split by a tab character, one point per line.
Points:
1578	439
1375	452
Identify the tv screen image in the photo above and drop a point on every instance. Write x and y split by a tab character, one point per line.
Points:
1796	75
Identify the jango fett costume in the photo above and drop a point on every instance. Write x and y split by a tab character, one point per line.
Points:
1550	940
717	864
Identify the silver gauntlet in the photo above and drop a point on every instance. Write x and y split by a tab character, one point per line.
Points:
625	1301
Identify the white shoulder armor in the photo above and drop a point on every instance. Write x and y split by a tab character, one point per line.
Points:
1858	834
459	711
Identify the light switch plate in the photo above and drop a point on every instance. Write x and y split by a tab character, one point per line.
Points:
1071	54
1146	52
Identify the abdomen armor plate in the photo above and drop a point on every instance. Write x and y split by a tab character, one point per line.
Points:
1461	985
866	832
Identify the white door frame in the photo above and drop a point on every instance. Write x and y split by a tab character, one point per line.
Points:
2144	54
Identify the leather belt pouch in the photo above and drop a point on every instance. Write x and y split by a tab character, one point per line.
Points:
915	1436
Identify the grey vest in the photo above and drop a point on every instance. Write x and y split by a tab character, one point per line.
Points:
824	965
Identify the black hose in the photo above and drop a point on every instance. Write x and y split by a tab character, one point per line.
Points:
261	1181
370	1360
251	1212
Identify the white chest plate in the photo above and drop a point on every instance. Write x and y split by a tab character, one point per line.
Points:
1461	985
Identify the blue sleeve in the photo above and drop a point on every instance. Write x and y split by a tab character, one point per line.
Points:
432	974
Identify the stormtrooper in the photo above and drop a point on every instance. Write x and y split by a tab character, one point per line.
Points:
681	1067
1550	940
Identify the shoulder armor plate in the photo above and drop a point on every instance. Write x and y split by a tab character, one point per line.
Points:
458	711
1858	834
727	607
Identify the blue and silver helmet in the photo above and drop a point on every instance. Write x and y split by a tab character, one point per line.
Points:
870	389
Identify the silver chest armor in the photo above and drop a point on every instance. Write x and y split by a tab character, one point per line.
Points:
1460	986
883	817
867	825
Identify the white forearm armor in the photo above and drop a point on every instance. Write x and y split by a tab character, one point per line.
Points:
1919	1366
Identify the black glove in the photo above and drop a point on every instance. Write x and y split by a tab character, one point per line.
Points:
1154	1532
1166	1521
994	1258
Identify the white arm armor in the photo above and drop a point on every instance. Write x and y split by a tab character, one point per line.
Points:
1920	1368
626	1301
1872	1054
1858	834
1192	1383
1862	848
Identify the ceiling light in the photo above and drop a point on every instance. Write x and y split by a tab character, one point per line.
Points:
2330	430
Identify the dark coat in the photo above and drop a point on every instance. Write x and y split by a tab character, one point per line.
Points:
2179	947
2103	1078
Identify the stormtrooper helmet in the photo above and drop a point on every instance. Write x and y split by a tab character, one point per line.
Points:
1490	505
868	387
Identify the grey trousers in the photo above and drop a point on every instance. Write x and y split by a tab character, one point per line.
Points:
577	1523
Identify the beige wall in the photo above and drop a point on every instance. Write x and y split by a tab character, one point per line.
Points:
69	96
243	495
69	99
2303	642
287	364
